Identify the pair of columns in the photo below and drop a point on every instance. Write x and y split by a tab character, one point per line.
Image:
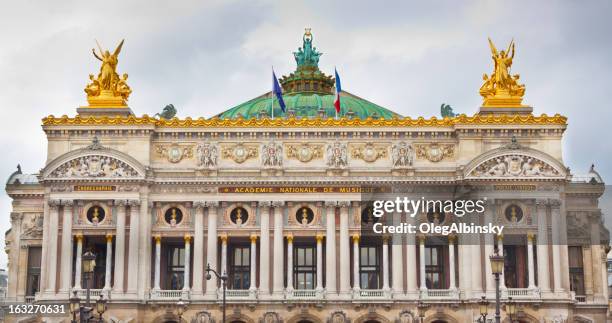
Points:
451	263
109	263
186	268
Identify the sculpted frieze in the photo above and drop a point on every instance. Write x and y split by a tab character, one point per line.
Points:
369	152
402	155
337	155
32	227
94	166
272	155
207	155
304	152
514	165
435	152
174	153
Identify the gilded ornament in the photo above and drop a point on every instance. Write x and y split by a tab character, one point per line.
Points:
239	153
108	89
502	89
174	153
435	152
368	152
304	152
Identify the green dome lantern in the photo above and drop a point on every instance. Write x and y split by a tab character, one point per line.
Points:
308	93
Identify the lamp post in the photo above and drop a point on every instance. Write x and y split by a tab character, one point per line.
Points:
180	309
421	309
89	263
511	309
101	307
497	267
223	278
483	304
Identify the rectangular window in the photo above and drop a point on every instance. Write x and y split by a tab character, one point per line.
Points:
176	267
304	267
369	267
576	270
240	267
33	281
515	266
434	268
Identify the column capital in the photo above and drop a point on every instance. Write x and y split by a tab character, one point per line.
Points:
289	238
223	237
421	238
500	236
356	237
253	238
554	203
264	204
277	204
541	202
331	203
344	203
452	238
199	204
319	237
109	237
67	202
187	238
54	203
210	204
79	237
386	238
157	238
531	237
121	202
134	202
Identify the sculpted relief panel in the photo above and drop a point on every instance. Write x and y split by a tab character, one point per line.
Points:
435	152
94	166
514	165
304	152
207	155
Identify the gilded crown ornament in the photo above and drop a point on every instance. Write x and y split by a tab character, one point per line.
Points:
108	89
502	89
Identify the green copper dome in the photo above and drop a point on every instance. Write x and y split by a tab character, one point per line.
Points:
308	93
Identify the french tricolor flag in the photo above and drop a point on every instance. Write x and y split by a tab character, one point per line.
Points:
338	90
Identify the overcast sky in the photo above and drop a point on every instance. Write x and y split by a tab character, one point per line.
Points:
207	56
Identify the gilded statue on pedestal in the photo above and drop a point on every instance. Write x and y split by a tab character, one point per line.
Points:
108	89
502	88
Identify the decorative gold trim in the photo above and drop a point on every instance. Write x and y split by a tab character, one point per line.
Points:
145	120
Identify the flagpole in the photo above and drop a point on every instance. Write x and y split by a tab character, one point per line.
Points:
272	96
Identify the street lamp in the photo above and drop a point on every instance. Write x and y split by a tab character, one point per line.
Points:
89	263
497	267
223	278
421	309
101	306
75	304
483	305
511	309
180	309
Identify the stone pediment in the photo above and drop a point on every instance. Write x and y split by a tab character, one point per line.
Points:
515	163
94	162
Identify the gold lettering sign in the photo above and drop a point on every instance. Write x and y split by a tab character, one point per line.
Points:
515	187
298	189
95	188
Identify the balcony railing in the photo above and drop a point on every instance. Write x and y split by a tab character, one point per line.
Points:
372	294
166	294
522	293
29	299
93	294
237	294
440	294
303	294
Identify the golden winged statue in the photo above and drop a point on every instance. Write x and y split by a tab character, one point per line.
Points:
108	89
502	88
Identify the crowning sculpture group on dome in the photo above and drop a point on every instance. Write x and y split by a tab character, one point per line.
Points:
277	206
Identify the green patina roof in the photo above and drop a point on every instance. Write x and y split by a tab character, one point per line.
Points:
306	91
307	105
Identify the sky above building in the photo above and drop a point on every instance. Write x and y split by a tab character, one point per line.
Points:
207	56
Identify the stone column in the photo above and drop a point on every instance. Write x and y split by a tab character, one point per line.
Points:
145	244
78	264
66	260
385	256
330	247
411	262
530	263
289	263
253	263
451	262
264	248
211	247
119	246
14	255
397	259
345	268
422	285
278	275
489	247
198	248
133	247
156	277
319	239
555	214
466	264
186	269
500	248
356	262
543	259
224	253
109	261
53	256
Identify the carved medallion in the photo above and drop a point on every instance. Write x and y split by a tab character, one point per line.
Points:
304	152
368	152
239	153
174	153
435	152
